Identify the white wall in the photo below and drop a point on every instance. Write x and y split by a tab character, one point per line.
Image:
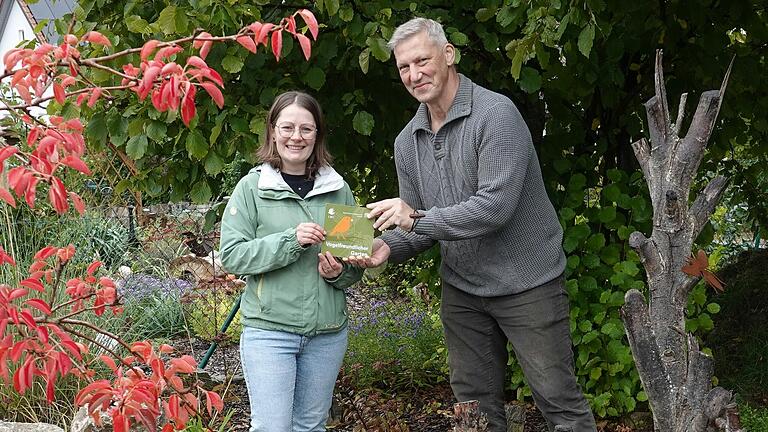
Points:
12	34
16	30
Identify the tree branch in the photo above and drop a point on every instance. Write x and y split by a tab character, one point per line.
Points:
704	205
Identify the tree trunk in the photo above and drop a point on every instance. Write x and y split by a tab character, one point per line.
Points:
675	374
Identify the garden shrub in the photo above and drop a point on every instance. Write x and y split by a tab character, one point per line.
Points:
153	305
396	344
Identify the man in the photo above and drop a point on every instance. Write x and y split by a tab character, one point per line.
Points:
470	180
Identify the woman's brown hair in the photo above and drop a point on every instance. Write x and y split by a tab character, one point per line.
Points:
320	156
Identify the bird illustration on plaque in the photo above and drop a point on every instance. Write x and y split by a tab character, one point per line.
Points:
348	231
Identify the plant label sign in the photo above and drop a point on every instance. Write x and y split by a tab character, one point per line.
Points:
348	231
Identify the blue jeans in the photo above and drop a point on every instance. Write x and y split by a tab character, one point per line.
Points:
290	378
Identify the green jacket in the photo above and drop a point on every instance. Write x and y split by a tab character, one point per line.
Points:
284	290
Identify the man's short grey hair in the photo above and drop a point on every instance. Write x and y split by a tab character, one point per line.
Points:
415	26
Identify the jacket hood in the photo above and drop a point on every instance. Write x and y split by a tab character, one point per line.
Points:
327	180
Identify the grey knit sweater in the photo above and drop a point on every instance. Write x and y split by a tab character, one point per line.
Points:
479	184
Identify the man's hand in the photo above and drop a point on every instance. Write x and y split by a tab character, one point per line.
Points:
389	213
379	254
328	266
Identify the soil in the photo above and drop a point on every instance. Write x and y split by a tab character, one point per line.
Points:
422	411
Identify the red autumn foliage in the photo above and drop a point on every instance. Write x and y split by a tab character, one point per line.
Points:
56	144
43	341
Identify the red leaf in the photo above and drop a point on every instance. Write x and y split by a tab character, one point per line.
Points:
197	62
148	49
309	18
31	190
92	268
73	348
88	391
40	305
17	293
277	44
7	197
120	422
5	258
713	281
76	163
247	43
205	49
32	284
264	33
306	47
96	38
255	27
212	399
59	94
95	95
215	93
291	24
45	253
109	362
77	202
57	195
28	319
188	109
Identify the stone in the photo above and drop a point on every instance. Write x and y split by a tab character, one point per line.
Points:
28	427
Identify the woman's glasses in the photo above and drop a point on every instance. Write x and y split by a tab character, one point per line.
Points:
306	131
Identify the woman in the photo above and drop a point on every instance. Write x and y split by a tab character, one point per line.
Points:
293	309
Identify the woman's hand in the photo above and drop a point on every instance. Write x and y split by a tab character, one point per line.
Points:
328	266
309	233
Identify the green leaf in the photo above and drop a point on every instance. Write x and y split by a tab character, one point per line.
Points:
459	38
136	146
213	164
332	6
315	78
607	214
530	80
596	242
96	131
167	20
182	22
346	13
713	308
595	373
586	38
484	14
363	59
611	192
591	261
610	254
641	396
156	130
232	64
137	24
363	123
378	48
517	62
196	144
117	126
201	192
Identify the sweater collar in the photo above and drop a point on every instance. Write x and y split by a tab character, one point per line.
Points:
327	180
461	106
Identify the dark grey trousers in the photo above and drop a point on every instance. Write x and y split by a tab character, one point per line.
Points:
536	323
